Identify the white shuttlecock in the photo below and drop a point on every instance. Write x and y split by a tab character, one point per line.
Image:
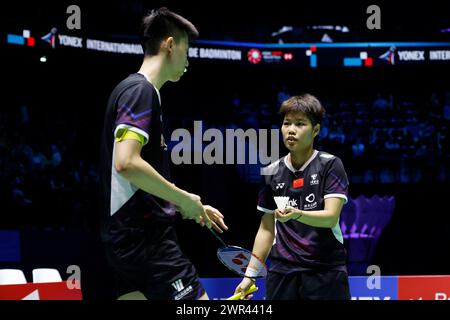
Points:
282	202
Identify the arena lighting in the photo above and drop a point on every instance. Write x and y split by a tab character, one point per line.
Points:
326	38
43	59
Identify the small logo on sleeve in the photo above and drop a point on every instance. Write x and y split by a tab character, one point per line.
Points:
178	285
181	290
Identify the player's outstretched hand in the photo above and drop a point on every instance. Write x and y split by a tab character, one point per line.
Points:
216	218
192	208
287	214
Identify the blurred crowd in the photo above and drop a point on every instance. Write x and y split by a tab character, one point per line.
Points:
48	160
384	139
48	172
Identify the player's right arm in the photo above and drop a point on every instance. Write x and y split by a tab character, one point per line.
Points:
265	236
261	247
129	164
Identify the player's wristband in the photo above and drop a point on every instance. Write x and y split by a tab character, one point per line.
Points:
250	271
300	215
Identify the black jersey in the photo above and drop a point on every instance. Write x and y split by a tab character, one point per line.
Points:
297	246
134	105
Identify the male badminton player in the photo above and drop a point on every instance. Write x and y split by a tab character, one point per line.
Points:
308	259
140	200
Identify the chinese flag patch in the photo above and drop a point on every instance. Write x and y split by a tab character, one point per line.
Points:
298	183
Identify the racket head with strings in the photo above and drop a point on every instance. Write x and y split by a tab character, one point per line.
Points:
242	262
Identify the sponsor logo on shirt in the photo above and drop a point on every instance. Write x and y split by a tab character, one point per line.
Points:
292	203
311	198
279	186
311	203
178	285
183	293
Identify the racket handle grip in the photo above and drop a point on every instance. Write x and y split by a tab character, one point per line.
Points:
237	296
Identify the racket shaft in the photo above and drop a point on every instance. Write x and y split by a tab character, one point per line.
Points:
224	245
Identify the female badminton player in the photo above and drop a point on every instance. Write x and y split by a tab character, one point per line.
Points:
307	255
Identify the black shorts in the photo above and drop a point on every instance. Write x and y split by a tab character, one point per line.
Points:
308	285
152	263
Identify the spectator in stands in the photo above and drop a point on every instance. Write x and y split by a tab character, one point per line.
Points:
380	103
391	144
55	158
446	109
338	134
283	95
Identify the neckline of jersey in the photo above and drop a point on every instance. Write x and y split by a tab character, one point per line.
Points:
156	89
288	164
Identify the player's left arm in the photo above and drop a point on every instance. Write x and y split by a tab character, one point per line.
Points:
335	196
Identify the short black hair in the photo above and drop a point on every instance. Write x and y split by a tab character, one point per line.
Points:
307	104
162	23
